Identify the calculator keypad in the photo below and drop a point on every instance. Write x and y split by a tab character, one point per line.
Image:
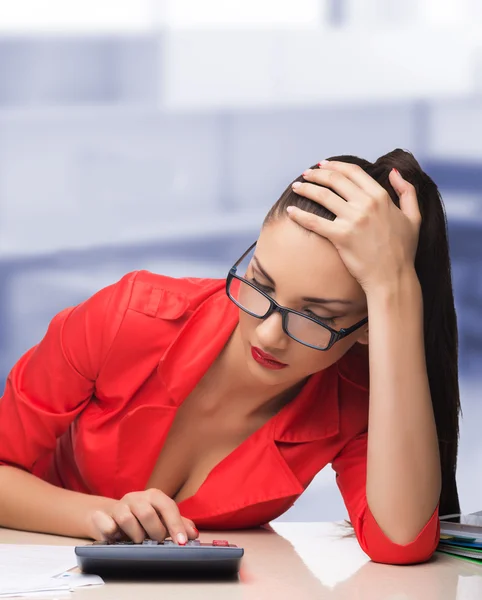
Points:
167	542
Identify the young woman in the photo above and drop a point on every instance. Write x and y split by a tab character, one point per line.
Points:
163	403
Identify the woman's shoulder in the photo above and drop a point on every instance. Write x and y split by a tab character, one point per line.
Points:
142	314
125	304
185	285
165	296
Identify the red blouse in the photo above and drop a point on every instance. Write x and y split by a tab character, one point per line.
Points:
90	406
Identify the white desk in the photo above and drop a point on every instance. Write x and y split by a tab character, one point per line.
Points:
296	561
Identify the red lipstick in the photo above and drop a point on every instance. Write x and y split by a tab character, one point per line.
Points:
266	360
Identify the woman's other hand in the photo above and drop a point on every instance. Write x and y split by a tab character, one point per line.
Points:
376	240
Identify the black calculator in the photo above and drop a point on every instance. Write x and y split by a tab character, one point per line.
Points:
121	559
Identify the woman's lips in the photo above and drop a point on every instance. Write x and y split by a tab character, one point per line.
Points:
266	359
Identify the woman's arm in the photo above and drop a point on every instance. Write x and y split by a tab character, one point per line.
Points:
377	240
48	387
403	464
30	504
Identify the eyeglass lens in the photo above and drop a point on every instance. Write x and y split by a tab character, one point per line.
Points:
302	329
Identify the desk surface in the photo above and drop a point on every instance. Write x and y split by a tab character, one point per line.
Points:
296	560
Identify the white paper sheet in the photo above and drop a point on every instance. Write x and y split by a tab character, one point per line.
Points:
25	568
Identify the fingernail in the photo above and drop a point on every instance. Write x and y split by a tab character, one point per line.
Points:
296	185
307	172
290	209
397	172
181	538
323	163
196	531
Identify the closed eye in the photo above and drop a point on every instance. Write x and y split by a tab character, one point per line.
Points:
268	290
329	320
265	288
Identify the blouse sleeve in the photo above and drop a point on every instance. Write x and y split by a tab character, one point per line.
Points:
53	381
350	466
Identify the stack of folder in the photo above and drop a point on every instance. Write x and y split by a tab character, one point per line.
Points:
466	545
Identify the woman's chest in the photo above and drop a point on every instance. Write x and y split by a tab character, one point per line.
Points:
212	462
197	442
153	443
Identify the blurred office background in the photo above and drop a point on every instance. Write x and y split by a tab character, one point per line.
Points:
156	134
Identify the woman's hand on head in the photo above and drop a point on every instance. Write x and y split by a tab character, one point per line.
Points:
140	515
376	240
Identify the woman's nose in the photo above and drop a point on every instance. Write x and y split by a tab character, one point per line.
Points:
270	332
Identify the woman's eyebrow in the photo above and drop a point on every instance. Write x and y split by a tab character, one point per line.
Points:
306	299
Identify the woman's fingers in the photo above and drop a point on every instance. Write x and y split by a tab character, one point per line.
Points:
312	222
126	520
171	517
104	526
408	197
140	515
150	521
191	528
355	174
349	191
322	196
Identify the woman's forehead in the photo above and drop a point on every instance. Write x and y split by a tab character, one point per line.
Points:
303	259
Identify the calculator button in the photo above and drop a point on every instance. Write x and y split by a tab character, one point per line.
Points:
193	543
168	543
220	543
150	543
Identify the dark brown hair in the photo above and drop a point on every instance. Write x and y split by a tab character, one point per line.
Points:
432	265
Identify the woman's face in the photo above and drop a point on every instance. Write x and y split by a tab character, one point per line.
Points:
300	265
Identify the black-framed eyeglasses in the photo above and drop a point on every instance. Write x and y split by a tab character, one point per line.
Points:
299	326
